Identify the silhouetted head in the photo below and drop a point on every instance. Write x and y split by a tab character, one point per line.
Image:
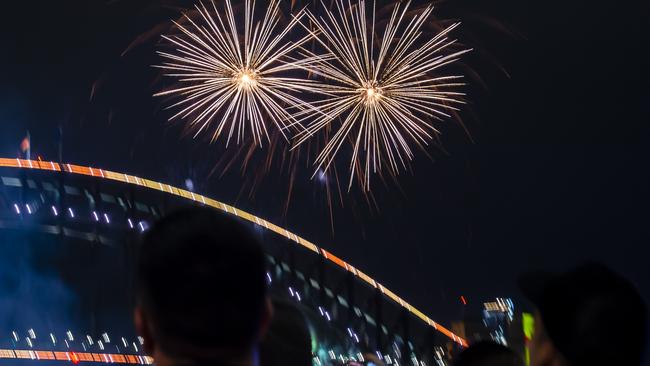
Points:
589	316
201	288
288	340
488	354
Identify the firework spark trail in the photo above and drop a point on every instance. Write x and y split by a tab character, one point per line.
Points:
233	84
382	93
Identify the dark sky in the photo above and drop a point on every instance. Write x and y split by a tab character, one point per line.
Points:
557	173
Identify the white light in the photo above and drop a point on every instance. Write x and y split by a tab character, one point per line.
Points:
69	334
32	334
291	291
106	339
54	211
130	223
322	313
141	340
327	315
90	340
71	212
135	346
66	343
17	208
29	342
142	227
108	221
29	209
126	345
268	276
15	335
356	338
100	344
95	216
350	332
298	296
53	339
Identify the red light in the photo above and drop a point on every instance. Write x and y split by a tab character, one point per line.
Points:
74	358
462	299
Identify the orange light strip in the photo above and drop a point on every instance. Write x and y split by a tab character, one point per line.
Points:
75	357
166	188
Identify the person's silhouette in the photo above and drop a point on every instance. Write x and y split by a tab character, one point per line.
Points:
201	290
589	316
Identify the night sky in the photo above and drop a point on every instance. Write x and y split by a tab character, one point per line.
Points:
556	170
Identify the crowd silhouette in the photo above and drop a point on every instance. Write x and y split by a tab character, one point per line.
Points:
202	299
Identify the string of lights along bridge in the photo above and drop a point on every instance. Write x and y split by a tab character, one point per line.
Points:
74	357
166	188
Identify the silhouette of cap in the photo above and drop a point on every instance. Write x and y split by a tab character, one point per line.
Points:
592	315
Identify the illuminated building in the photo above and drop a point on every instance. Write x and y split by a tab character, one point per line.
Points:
497	316
494	321
82	223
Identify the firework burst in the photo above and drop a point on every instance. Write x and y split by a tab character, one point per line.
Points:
383	92
233	83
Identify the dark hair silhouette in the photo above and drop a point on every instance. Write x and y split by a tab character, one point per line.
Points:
592	315
288	341
201	280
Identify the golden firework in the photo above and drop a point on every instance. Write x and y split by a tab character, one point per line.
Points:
233	78
383	93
